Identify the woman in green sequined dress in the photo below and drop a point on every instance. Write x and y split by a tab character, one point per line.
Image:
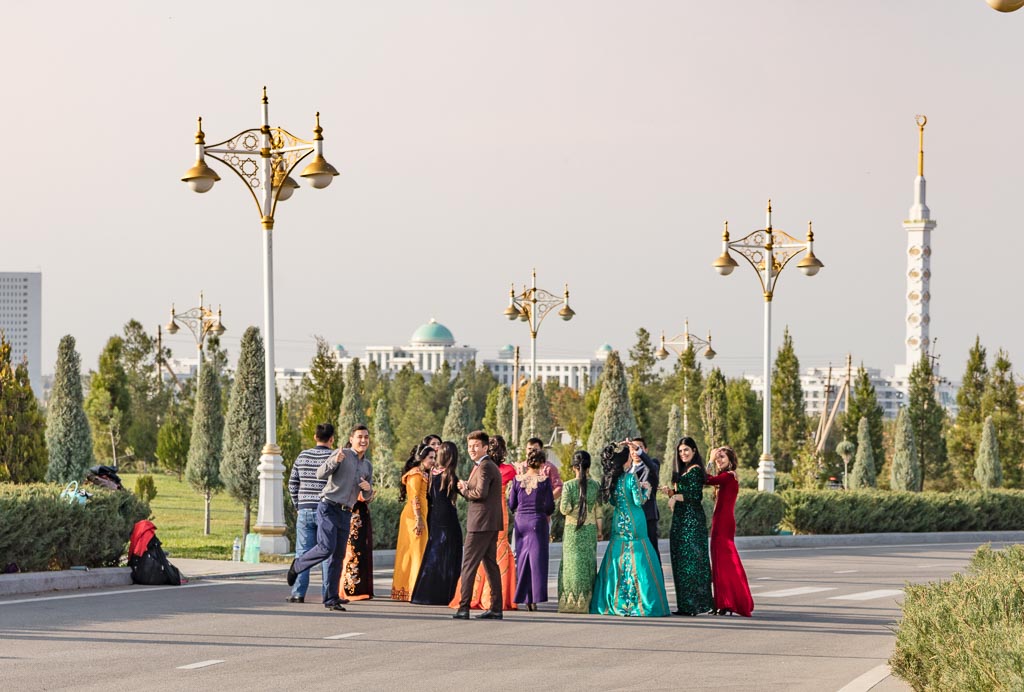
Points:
630	581
688	538
582	511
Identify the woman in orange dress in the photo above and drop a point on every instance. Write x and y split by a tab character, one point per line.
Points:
506	560
412	527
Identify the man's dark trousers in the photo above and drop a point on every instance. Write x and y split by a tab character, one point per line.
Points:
652	533
481	547
332	526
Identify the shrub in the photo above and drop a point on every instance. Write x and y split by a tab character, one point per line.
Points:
145	488
39	531
870	511
966	633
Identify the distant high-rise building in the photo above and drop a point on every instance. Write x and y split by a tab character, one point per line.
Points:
21	313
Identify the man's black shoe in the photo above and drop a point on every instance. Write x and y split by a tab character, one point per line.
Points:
343	601
292	574
489	615
461	615
334	606
296	599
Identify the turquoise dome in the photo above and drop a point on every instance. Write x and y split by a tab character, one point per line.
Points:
432	334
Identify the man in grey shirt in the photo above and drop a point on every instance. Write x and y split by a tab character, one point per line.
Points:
347	472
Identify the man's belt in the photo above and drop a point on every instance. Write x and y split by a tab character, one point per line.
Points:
332	503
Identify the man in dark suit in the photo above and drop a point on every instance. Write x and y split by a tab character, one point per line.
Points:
647	469
483	522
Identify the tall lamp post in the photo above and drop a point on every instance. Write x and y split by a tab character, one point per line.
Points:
679	344
768	250
263	158
532	306
201	321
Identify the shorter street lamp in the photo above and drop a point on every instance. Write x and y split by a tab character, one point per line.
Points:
202	322
679	344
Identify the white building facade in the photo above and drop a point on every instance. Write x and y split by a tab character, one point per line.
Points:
815	382
578	373
21	317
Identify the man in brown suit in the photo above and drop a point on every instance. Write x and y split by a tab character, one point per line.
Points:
483	522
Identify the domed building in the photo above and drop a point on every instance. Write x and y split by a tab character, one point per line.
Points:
429	347
578	373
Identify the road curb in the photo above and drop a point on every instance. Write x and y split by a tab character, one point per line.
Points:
63	580
877	539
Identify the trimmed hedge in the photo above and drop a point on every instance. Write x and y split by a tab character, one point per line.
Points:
966	633
873	511
39	531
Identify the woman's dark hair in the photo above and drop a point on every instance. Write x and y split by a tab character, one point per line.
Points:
447	460
612	461
416	457
430	438
581	461
731	456
677	463
496	449
536	458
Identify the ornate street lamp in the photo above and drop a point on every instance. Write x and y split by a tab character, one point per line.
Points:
679	344
201	321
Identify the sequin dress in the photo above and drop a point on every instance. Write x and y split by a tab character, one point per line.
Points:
630	581
688	543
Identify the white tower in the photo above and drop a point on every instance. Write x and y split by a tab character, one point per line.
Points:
918	225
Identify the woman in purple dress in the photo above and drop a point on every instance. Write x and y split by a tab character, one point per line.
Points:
532	500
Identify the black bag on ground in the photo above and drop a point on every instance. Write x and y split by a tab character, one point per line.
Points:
152	568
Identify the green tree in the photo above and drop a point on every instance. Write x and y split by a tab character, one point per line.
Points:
590	401
440	387
845	450
686	385
244	427
864	475
324	386
457	425
172	440
416	420
203	468
383	441
352	411
613	419
503	413
568	410
490	420
927	418
68	438
375	384
642	360
743	424
149	398
987	470
23	457
789	419
108	404
1001	400
536	414
906	472
963	435
289	439
863	403
714	410
674	434
478	382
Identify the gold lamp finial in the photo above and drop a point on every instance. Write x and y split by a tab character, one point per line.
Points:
200	135
265	95
810	231
725	233
318	132
769	227
921	121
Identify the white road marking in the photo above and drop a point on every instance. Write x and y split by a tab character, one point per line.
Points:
764	578
201	664
345	636
867	595
136	590
844	571
799	591
868	680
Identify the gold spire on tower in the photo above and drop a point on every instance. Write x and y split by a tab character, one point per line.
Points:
921	121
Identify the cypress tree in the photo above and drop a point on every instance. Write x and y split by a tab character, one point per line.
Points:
479	383
352	411
23	456
108	404
642	360
987	470
323	388
244	427
148	396
963	435
905	474
202	471
172	441
789	419
503	412
927	418
536	414
744	421
672	437
1001	400
864	474
613	419
863	403
383	442
440	387
457	426
415	420
686	385
68	438
714	410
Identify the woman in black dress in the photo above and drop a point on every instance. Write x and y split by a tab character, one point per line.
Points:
442	558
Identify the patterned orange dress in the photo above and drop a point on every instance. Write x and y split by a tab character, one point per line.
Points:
410	548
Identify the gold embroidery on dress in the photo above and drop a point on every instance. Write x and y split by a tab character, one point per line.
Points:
529	481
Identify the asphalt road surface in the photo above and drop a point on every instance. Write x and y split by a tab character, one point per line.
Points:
823	619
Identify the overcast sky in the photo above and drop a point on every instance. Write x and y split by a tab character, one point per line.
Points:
602	142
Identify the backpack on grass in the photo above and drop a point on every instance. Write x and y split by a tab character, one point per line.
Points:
147	558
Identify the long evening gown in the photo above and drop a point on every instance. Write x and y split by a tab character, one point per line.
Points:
688	543
357	569
481	599
409	551
732	592
442	560
630	581
578	568
532	499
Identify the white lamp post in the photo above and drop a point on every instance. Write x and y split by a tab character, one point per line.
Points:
768	258
264	158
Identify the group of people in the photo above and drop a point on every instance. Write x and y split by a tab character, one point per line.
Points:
437	564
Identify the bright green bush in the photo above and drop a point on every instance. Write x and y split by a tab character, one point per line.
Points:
966	633
145	488
39	531
870	511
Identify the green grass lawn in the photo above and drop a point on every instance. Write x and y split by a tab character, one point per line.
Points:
178	515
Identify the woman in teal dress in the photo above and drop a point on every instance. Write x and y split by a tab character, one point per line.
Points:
582	511
630	581
688	537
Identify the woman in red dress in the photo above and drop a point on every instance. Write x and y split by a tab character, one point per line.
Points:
732	593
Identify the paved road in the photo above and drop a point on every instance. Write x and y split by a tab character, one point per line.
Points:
823	619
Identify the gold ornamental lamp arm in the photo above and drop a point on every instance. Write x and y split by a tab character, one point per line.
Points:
679	343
